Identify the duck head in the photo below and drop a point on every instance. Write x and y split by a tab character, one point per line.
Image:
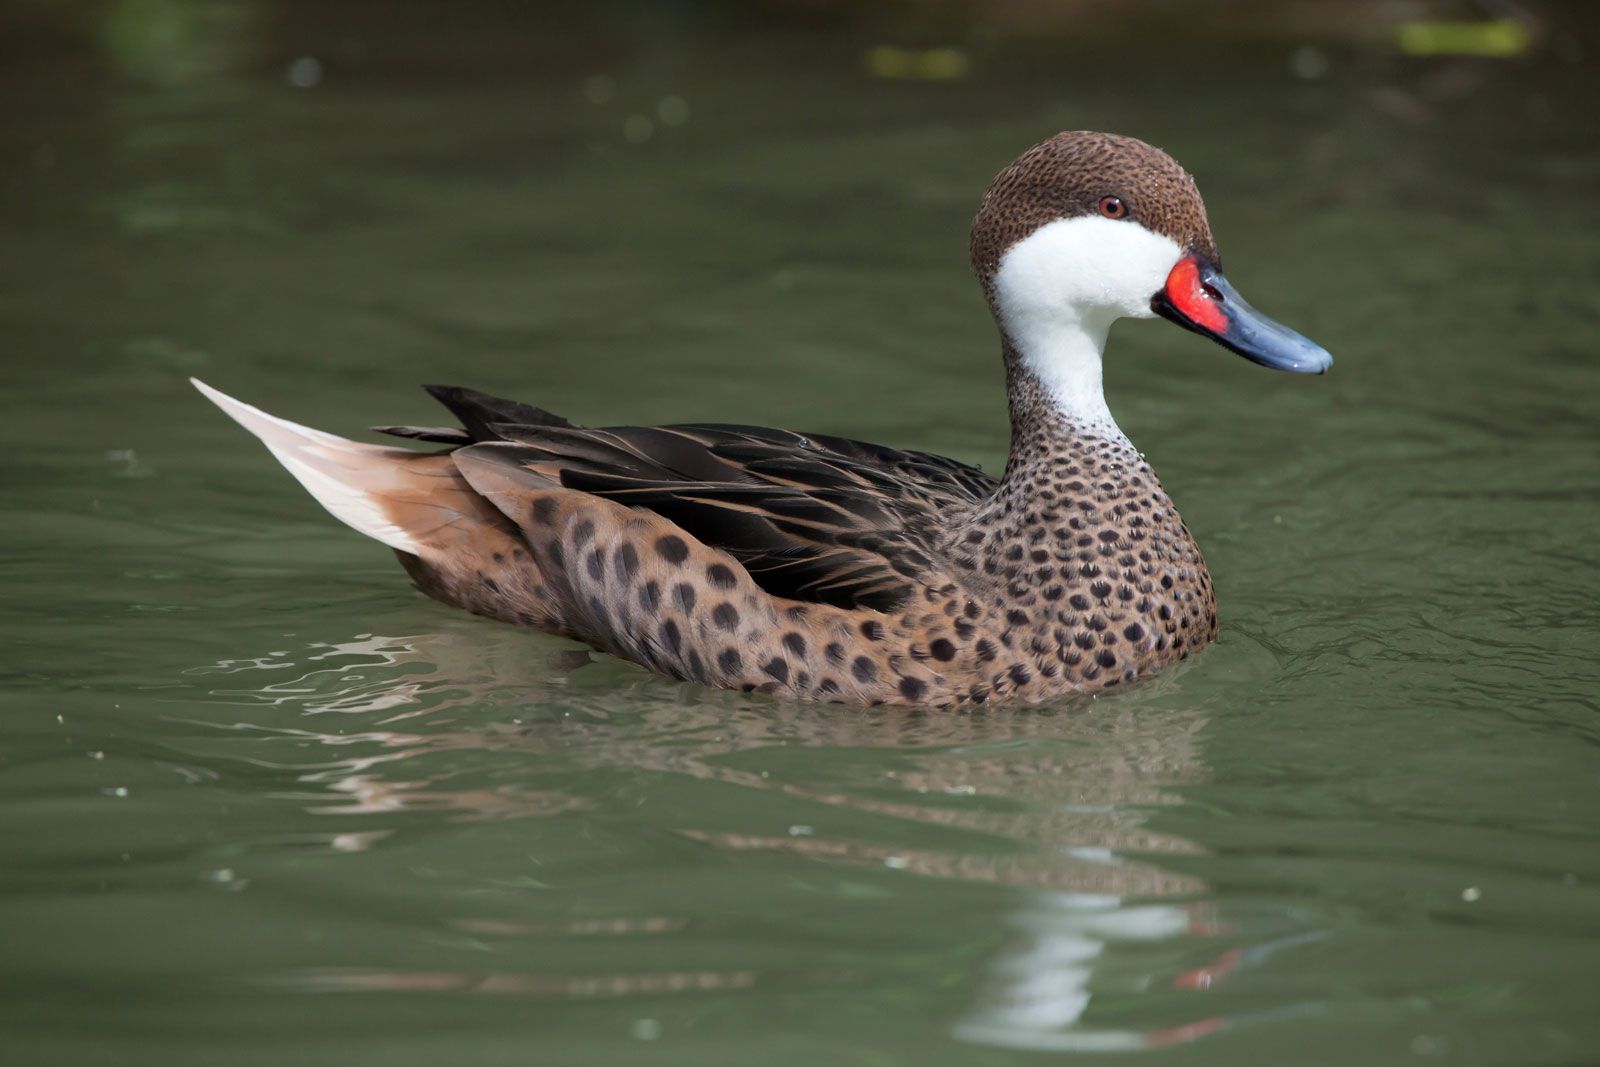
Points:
1087	228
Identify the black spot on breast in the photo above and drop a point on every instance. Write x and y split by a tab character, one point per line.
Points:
834	652
827	685
671	548
671	636
683	596
596	565
1100	590
1084	641
1020	675
627	560
795	643
1017	618
986	650
912	689
498	558
777	667
490	582
582	533
1133	632
864	669
543	511
650	596
872	630
720	576
726	616
1106	658
729	660
942	649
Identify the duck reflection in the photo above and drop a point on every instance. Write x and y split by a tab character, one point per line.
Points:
1052	805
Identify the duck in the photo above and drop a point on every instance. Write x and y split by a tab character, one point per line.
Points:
814	567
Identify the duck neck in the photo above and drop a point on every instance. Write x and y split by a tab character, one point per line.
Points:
1054	381
1064	444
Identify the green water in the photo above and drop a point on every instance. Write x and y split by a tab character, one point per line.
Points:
261	803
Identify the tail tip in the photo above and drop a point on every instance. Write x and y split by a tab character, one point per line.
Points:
344	476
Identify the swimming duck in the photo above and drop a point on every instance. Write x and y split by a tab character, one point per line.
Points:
822	568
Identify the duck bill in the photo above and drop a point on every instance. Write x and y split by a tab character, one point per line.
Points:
1199	297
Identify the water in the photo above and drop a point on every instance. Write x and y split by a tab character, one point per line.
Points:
264	804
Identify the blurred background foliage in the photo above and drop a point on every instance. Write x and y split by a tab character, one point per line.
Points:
178	41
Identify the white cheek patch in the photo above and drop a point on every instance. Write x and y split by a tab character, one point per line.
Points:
1087	263
1059	290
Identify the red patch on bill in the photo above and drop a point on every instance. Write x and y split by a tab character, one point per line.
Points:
1191	299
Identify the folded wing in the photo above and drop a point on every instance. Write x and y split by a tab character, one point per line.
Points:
811	517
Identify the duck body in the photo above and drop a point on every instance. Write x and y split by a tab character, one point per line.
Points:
822	568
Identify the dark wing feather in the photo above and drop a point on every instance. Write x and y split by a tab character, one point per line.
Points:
446	435
478	412
812	517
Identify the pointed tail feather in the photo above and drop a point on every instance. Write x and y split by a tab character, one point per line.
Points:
354	481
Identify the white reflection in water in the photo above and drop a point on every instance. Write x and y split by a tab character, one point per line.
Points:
1039	990
358	694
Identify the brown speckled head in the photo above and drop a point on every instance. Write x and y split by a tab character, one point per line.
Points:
1070	175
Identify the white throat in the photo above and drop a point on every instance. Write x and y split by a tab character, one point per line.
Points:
1058	291
1065	357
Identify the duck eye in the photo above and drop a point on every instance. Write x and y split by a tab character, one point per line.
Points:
1112	207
